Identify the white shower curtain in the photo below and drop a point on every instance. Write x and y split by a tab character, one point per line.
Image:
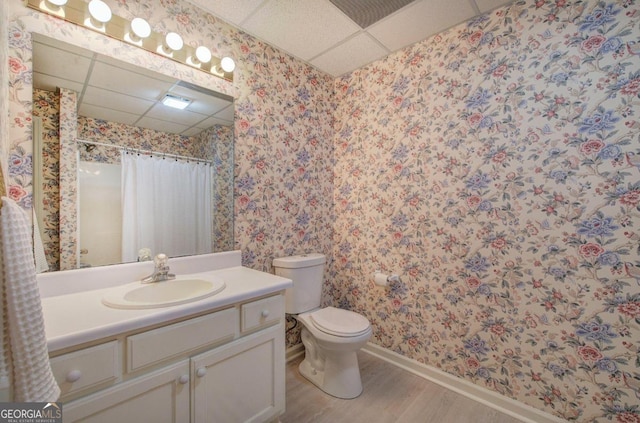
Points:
166	206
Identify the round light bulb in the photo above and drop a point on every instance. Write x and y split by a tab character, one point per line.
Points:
227	64
100	11
58	2
140	27
203	54
174	41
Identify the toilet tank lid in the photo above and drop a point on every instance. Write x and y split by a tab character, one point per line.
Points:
299	261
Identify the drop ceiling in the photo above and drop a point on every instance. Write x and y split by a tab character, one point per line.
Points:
118	92
322	33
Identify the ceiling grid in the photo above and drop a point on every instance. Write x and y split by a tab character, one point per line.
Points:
340	36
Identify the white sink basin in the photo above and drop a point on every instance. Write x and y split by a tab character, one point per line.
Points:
162	294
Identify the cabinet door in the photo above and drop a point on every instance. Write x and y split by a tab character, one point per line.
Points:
161	396
242	381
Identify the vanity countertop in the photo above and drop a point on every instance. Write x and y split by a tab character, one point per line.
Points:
79	317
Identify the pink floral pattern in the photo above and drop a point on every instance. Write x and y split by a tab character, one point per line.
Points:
493	166
504	190
69	254
216	144
46	105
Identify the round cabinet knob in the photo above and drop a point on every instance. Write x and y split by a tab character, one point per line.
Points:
184	379
201	371
265	313
73	376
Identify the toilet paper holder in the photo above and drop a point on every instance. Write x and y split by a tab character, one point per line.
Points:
382	279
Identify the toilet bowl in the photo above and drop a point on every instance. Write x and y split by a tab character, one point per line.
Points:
332	338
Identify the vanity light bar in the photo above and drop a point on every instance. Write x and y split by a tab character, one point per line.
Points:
100	11
170	46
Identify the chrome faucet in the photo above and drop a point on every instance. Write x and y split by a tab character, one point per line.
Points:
161	271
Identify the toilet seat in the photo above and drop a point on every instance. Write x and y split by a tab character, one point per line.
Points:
338	322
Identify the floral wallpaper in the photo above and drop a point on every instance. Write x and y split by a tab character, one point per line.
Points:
69	245
491	166
496	168
216	143
46	105
4	93
118	134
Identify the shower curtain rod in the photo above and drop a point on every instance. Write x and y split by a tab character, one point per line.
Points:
141	151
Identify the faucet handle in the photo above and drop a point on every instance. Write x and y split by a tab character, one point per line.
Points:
161	260
144	254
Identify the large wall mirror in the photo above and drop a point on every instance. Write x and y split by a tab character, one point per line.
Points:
145	178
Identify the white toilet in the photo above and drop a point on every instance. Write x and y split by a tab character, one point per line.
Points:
331	336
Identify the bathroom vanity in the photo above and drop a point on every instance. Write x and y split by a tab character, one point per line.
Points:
217	359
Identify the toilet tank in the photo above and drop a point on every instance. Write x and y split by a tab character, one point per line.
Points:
306	271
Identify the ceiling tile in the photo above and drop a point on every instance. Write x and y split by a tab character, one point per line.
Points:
420	20
89	110
51	83
162	112
488	5
61	45
116	101
226	114
353	54
116	79
304	28
308	29
201	102
124	66
232	11
53	61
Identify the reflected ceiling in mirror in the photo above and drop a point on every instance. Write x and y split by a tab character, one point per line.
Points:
112	90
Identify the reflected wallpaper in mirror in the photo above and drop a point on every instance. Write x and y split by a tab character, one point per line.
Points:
113	106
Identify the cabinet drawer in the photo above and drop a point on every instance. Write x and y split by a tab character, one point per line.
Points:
87	368
262	313
167	342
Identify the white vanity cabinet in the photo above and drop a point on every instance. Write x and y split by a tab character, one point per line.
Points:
225	366
240	382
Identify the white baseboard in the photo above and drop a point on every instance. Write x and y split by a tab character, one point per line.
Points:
294	352
470	390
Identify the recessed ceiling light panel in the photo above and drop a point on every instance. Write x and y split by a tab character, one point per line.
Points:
176	102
